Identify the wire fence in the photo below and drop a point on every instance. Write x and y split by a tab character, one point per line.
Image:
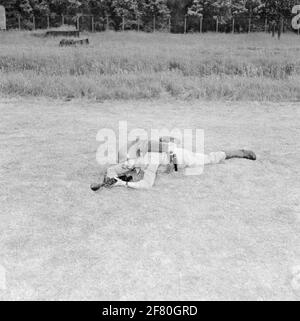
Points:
186	24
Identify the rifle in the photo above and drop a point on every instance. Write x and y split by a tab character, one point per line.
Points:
109	182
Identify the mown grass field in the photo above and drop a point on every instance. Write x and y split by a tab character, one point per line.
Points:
232	233
147	66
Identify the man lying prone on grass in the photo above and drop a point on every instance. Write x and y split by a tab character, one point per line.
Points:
140	172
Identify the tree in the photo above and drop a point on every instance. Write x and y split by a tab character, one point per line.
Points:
145	10
25	8
197	8
9	5
253	7
151	11
156	8
227	9
277	9
127	10
63	7
40	7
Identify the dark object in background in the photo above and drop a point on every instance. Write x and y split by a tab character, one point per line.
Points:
280	27
277	26
73	42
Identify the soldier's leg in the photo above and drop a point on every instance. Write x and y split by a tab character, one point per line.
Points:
241	153
214	158
217	157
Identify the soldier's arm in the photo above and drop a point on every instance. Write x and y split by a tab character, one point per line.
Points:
146	183
149	178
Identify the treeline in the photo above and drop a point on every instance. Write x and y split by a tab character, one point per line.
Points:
144	14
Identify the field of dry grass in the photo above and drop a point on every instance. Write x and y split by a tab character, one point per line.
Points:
145	66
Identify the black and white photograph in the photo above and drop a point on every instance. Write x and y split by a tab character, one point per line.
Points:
149	153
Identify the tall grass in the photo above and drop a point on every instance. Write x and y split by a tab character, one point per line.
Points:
136	65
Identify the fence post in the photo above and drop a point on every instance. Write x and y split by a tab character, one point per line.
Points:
266	25
77	22
233	24
185	23
123	23
19	22
93	25
201	24
33	22
48	22
107	23
154	23
62	20
249	27
170	24
138	23
217	25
